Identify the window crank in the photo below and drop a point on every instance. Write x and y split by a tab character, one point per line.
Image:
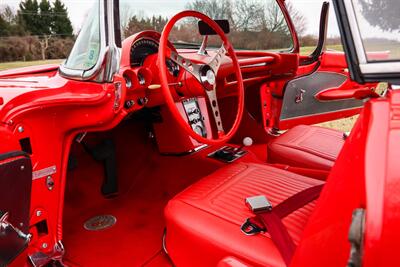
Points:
300	96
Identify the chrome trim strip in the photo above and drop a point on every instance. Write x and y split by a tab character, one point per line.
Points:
380	67
355	31
114	55
262	64
322	113
44	172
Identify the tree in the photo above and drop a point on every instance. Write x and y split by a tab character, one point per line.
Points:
29	16
4	26
299	20
382	13
215	9
8	15
46	16
137	24
248	15
61	25
9	24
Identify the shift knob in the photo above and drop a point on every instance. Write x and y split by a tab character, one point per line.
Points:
247	141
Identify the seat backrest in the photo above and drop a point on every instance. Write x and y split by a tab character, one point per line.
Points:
364	176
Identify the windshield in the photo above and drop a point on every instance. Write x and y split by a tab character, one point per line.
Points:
86	50
379	26
255	25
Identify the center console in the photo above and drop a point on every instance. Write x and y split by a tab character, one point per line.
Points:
171	139
195	116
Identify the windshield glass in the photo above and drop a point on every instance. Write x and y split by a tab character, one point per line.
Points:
254	25
86	50
379	25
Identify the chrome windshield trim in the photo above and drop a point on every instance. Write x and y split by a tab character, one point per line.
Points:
114	53
355	31
91	73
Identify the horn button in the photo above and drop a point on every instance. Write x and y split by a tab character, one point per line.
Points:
208	78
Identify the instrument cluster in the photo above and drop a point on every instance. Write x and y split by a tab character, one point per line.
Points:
140	75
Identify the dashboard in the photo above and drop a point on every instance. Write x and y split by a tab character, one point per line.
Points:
139	68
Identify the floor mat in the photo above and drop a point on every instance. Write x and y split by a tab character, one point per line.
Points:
147	181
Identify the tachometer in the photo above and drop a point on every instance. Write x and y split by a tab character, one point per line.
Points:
141	49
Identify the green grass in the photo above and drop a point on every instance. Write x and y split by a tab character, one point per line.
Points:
307	50
20	64
344	125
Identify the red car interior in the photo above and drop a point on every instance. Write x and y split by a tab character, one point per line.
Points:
149	151
206	218
307	146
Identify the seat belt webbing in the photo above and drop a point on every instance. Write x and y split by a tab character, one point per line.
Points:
270	220
297	201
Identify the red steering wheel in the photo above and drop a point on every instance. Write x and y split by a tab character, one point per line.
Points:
205	74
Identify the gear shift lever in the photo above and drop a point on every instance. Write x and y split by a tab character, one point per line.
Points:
230	153
247	141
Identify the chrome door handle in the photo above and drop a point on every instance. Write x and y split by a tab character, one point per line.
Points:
5	224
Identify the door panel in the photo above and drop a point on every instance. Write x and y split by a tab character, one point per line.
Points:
15	197
300	97
304	100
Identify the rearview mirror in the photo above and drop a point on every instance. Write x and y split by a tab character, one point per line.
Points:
204	29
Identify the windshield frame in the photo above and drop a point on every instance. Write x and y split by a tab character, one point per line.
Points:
90	73
361	69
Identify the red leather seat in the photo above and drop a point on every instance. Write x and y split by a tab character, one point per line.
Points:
203	222
307	147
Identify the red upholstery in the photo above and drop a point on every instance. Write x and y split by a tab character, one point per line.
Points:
203	222
307	147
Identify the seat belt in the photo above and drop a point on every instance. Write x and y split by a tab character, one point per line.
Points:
269	219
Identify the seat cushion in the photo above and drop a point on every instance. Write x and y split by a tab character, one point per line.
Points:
307	147
203	222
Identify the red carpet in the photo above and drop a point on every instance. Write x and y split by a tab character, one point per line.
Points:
147	181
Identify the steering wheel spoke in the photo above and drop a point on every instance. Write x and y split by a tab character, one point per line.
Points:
205	73
215	62
186	64
212	97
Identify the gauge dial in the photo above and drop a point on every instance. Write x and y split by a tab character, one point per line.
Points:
141	49
145	47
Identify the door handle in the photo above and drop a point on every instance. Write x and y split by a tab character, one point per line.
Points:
342	94
5	224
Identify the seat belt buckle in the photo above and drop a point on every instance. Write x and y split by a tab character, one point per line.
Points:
258	204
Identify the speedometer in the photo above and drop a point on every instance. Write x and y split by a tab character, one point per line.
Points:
141	49
145	47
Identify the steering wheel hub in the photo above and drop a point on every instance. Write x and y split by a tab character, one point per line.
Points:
208	78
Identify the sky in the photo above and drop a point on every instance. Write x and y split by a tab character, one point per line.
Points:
309	8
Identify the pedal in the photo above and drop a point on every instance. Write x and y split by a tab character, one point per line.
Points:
105	153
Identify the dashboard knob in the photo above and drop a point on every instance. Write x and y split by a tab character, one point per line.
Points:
129	104
143	101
